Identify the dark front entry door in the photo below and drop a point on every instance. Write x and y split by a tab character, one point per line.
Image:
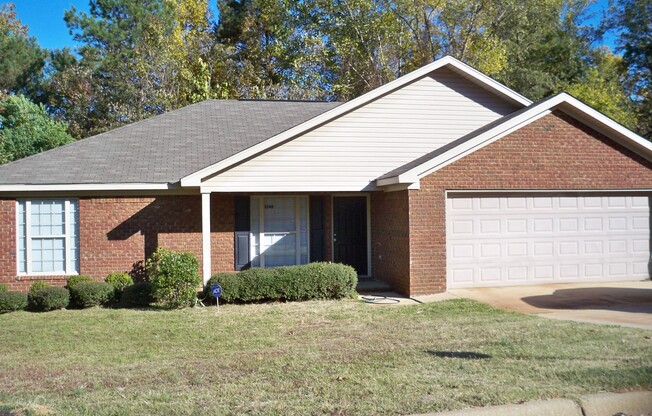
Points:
350	232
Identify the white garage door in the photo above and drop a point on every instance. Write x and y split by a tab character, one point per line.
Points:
516	240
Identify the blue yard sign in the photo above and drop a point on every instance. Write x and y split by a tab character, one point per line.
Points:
216	291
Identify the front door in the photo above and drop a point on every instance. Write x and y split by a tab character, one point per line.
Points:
350	232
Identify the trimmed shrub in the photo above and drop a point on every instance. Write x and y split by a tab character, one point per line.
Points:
310	281
12	301
174	277
48	298
140	294
87	295
4	288
72	281
38	285
119	281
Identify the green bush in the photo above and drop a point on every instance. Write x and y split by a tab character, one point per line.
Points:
119	281
75	280
310	281
139	294
48	298
174	277
12	301
4	288
87	295
38	285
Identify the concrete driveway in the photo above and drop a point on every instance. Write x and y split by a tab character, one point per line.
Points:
615	303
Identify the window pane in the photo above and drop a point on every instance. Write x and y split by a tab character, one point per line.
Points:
279	213
303	229
58	218
22	240
48	255
281	250
73	238
47	218
304	247
254	252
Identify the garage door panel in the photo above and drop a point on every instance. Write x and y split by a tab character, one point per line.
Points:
544	239
640	245
640	267
517	274
569	271
640	223
640	201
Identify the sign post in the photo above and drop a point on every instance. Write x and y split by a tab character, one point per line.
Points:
216	291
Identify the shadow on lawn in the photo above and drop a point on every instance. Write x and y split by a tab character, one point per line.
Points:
467	355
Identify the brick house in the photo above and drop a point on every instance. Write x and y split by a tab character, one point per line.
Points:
442	178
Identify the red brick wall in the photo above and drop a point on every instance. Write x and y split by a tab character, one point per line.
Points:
222	233
8	266
116	232
390	255
554	152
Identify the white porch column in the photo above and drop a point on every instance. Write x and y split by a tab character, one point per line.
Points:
206	235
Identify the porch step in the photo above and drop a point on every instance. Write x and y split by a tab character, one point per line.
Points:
367	285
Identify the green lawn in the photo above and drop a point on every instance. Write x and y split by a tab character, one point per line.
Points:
336	358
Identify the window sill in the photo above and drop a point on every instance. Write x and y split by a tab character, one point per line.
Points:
24	277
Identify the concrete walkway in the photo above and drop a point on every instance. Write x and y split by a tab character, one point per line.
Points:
617	303
602	404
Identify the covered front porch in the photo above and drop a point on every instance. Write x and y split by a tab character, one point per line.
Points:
270	230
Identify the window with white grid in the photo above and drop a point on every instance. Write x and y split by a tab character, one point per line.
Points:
48	237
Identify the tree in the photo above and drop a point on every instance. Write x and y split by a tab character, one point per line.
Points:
272	50
74	95
546	47
364	42
602	88
189	46
27	129
537	48
21	59
138	58
121	44
630	19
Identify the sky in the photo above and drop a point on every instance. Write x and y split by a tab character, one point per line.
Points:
45	20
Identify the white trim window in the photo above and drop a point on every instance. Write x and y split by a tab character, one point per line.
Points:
279	231
48	237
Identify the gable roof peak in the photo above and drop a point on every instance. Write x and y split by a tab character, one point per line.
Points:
464	70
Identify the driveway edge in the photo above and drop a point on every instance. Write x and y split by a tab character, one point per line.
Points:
634	403
601	404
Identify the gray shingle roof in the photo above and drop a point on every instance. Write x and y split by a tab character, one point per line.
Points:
164	148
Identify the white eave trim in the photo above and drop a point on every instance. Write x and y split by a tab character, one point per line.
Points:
454	192
86	187
195	179
563	101
399	179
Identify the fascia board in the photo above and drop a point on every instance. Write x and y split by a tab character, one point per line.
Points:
85	187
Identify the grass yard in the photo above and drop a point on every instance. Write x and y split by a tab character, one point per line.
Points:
336	357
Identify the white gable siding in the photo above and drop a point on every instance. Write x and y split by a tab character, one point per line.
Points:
349	153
